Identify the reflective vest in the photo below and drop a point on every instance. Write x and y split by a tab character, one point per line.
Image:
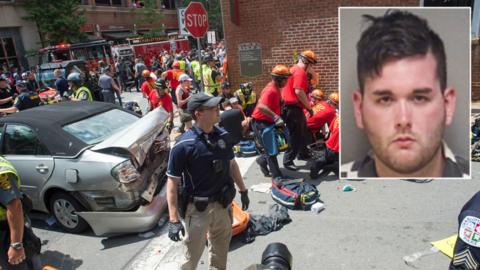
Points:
182	65
78	92
196	69
7	168
210	86
252	99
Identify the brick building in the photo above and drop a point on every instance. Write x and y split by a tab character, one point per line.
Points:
285	28
108	19
116	19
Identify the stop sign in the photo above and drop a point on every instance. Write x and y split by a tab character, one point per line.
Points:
196	19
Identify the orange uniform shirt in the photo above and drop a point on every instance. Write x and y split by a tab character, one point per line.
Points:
333	142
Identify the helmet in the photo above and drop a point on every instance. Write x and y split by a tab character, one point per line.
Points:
309	56
146	73
246	86
3	78
178	57
21	84
74	77
333	97
160	83
176	64
317	93
225	84
280	71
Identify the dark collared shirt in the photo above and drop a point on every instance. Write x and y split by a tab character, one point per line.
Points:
466	254
192	159
455	166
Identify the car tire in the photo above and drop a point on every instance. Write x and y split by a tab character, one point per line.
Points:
64	207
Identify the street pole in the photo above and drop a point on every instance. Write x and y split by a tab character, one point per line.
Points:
199	51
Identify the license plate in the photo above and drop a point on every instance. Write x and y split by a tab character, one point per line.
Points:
148	193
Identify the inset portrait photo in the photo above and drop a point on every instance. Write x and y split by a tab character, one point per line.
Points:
405	92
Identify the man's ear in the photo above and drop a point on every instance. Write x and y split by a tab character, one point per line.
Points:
357	108
450	99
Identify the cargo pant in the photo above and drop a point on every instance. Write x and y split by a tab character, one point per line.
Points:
217	222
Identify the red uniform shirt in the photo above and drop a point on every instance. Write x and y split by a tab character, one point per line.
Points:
332	141
185	95
172	76
270	97
148	86
324	113
165	101
298	80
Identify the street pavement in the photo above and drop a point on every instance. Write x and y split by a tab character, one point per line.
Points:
373	227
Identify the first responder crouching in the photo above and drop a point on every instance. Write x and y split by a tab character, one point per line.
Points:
12	222
202	161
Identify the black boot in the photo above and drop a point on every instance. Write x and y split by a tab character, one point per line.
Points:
263	166
314	169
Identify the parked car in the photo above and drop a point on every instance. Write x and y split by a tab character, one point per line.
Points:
90	164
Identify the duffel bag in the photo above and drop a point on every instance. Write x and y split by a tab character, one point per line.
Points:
294	194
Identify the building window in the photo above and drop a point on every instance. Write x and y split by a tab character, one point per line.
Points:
83	2
8	52
168	4
108	2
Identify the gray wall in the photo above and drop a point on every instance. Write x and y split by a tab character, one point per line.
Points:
452	25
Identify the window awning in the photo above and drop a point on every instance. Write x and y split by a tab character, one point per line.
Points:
118	35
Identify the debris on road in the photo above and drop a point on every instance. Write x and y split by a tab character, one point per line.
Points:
348	188
317	207
51	221
262	187
412	258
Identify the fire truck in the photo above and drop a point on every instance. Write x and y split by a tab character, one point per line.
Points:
146	48
91	52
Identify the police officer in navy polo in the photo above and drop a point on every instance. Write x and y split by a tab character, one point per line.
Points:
202	163
25	100
466	254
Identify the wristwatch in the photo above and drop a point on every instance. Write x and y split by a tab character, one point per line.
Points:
17	245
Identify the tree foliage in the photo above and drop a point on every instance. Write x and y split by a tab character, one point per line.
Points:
150	15
57	20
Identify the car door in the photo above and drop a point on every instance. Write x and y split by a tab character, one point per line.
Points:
34	164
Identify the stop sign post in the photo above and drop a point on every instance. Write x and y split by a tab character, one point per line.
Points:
196	22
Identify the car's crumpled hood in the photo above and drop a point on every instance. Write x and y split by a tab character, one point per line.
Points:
137	138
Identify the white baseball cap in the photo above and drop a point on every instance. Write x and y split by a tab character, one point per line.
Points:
184	77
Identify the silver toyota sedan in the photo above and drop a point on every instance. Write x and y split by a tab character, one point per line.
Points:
91	164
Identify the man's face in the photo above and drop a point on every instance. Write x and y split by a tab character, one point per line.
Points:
3	84
186	84
404	113
210	115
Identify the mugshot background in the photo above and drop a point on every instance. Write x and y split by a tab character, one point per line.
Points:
453	27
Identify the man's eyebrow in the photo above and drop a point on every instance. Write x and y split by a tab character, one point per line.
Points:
422	91
382	92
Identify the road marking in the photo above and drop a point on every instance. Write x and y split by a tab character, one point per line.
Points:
163	253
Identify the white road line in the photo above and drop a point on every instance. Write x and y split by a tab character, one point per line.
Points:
161	252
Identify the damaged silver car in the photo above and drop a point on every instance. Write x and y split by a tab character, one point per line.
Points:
91	164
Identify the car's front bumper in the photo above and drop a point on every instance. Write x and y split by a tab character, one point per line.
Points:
143	219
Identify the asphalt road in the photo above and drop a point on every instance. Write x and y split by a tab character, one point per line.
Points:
372	227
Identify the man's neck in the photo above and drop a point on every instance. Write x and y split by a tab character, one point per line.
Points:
432	169
206	127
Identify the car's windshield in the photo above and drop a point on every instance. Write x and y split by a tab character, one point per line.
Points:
97	128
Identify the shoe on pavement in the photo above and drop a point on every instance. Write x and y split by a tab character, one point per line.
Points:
263	166
314	171
290	166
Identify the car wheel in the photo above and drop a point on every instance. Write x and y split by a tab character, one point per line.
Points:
64	208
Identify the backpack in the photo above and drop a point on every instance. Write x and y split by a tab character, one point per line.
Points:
246	149
294	194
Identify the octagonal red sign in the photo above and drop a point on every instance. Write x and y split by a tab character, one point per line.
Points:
196	19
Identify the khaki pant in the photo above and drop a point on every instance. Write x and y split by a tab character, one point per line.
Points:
215	220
